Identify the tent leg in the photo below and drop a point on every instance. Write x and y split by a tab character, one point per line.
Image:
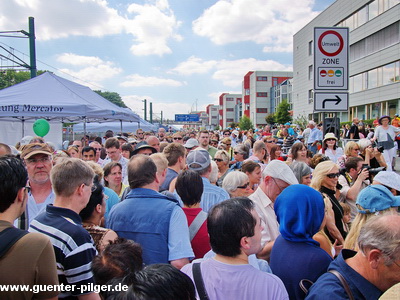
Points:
121	126
23	128
84	129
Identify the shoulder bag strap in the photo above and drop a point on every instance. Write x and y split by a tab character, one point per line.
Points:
343	282
196	224
8	237
198	281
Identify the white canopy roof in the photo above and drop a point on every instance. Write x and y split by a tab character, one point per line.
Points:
54	98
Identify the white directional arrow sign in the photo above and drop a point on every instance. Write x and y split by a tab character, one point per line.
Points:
331	101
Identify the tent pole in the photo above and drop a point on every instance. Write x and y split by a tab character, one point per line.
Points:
121	126
84	128
23	127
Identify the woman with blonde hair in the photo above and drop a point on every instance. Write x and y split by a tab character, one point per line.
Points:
372	201
221	158
351	149
325	179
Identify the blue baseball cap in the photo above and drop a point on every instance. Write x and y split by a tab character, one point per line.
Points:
375	198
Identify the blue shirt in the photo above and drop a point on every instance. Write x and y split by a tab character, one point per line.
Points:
171	174
330	287
112	199
314	135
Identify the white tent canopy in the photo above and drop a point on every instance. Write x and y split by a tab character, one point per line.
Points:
114	126
54	98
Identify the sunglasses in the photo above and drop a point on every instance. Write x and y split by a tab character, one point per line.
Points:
28	189
177	138
218	159
245	186
333	175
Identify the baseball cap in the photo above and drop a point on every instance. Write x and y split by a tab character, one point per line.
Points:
33	149
375	198
235	132
390	179
279	170
121	137
198	160
191	143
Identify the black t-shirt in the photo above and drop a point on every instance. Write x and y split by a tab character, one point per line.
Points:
354	129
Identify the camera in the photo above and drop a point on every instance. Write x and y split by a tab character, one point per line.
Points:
379	148
372	171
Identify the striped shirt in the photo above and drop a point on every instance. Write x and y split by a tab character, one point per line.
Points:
73	247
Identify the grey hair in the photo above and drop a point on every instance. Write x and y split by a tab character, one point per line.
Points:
234	179
383	233
363	144
300	169
242	149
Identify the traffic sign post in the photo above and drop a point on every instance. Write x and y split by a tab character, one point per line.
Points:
331	58
331	101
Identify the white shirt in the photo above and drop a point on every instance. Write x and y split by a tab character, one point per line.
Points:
265	209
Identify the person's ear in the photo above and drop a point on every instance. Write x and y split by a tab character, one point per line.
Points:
375	257
244	243
99	208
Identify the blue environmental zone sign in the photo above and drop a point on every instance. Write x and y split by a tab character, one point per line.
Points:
187	118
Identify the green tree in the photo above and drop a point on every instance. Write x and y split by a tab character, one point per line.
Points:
282	114
233	125
10	77
245	123
270	119
302	121
112	97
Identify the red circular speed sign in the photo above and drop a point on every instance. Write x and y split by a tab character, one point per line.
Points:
341	43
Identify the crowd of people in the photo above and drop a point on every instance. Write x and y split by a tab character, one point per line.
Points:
279	212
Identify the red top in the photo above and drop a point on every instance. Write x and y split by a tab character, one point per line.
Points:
201	241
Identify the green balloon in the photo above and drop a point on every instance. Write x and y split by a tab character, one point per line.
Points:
41	127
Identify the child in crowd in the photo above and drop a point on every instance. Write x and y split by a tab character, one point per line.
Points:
346	216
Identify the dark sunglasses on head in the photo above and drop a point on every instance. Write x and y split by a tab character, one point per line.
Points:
333	175
243	186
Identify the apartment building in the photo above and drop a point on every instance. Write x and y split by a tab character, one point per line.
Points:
374	58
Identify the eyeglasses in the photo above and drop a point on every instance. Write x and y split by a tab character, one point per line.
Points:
328	140
42	160
177	138
245	186
218	159
227	134
356	149
28	189
333	175
236	152
92	188
228	144
98	149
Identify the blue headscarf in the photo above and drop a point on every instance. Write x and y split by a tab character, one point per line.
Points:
300	211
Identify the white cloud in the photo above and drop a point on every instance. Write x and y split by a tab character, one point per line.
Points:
194	65
169	109
260	21
230	72
94	71
136	80
152	25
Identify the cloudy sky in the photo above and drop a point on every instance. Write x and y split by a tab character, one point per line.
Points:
177	54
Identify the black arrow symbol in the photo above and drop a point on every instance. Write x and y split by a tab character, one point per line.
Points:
338	100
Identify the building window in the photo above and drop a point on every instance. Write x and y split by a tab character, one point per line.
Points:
262	78
214	109
310	48
262	110
229	120
230	109
310	72
247	92
262	94
310	96
213	117
229	99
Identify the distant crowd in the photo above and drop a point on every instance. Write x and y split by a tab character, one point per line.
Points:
279	212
